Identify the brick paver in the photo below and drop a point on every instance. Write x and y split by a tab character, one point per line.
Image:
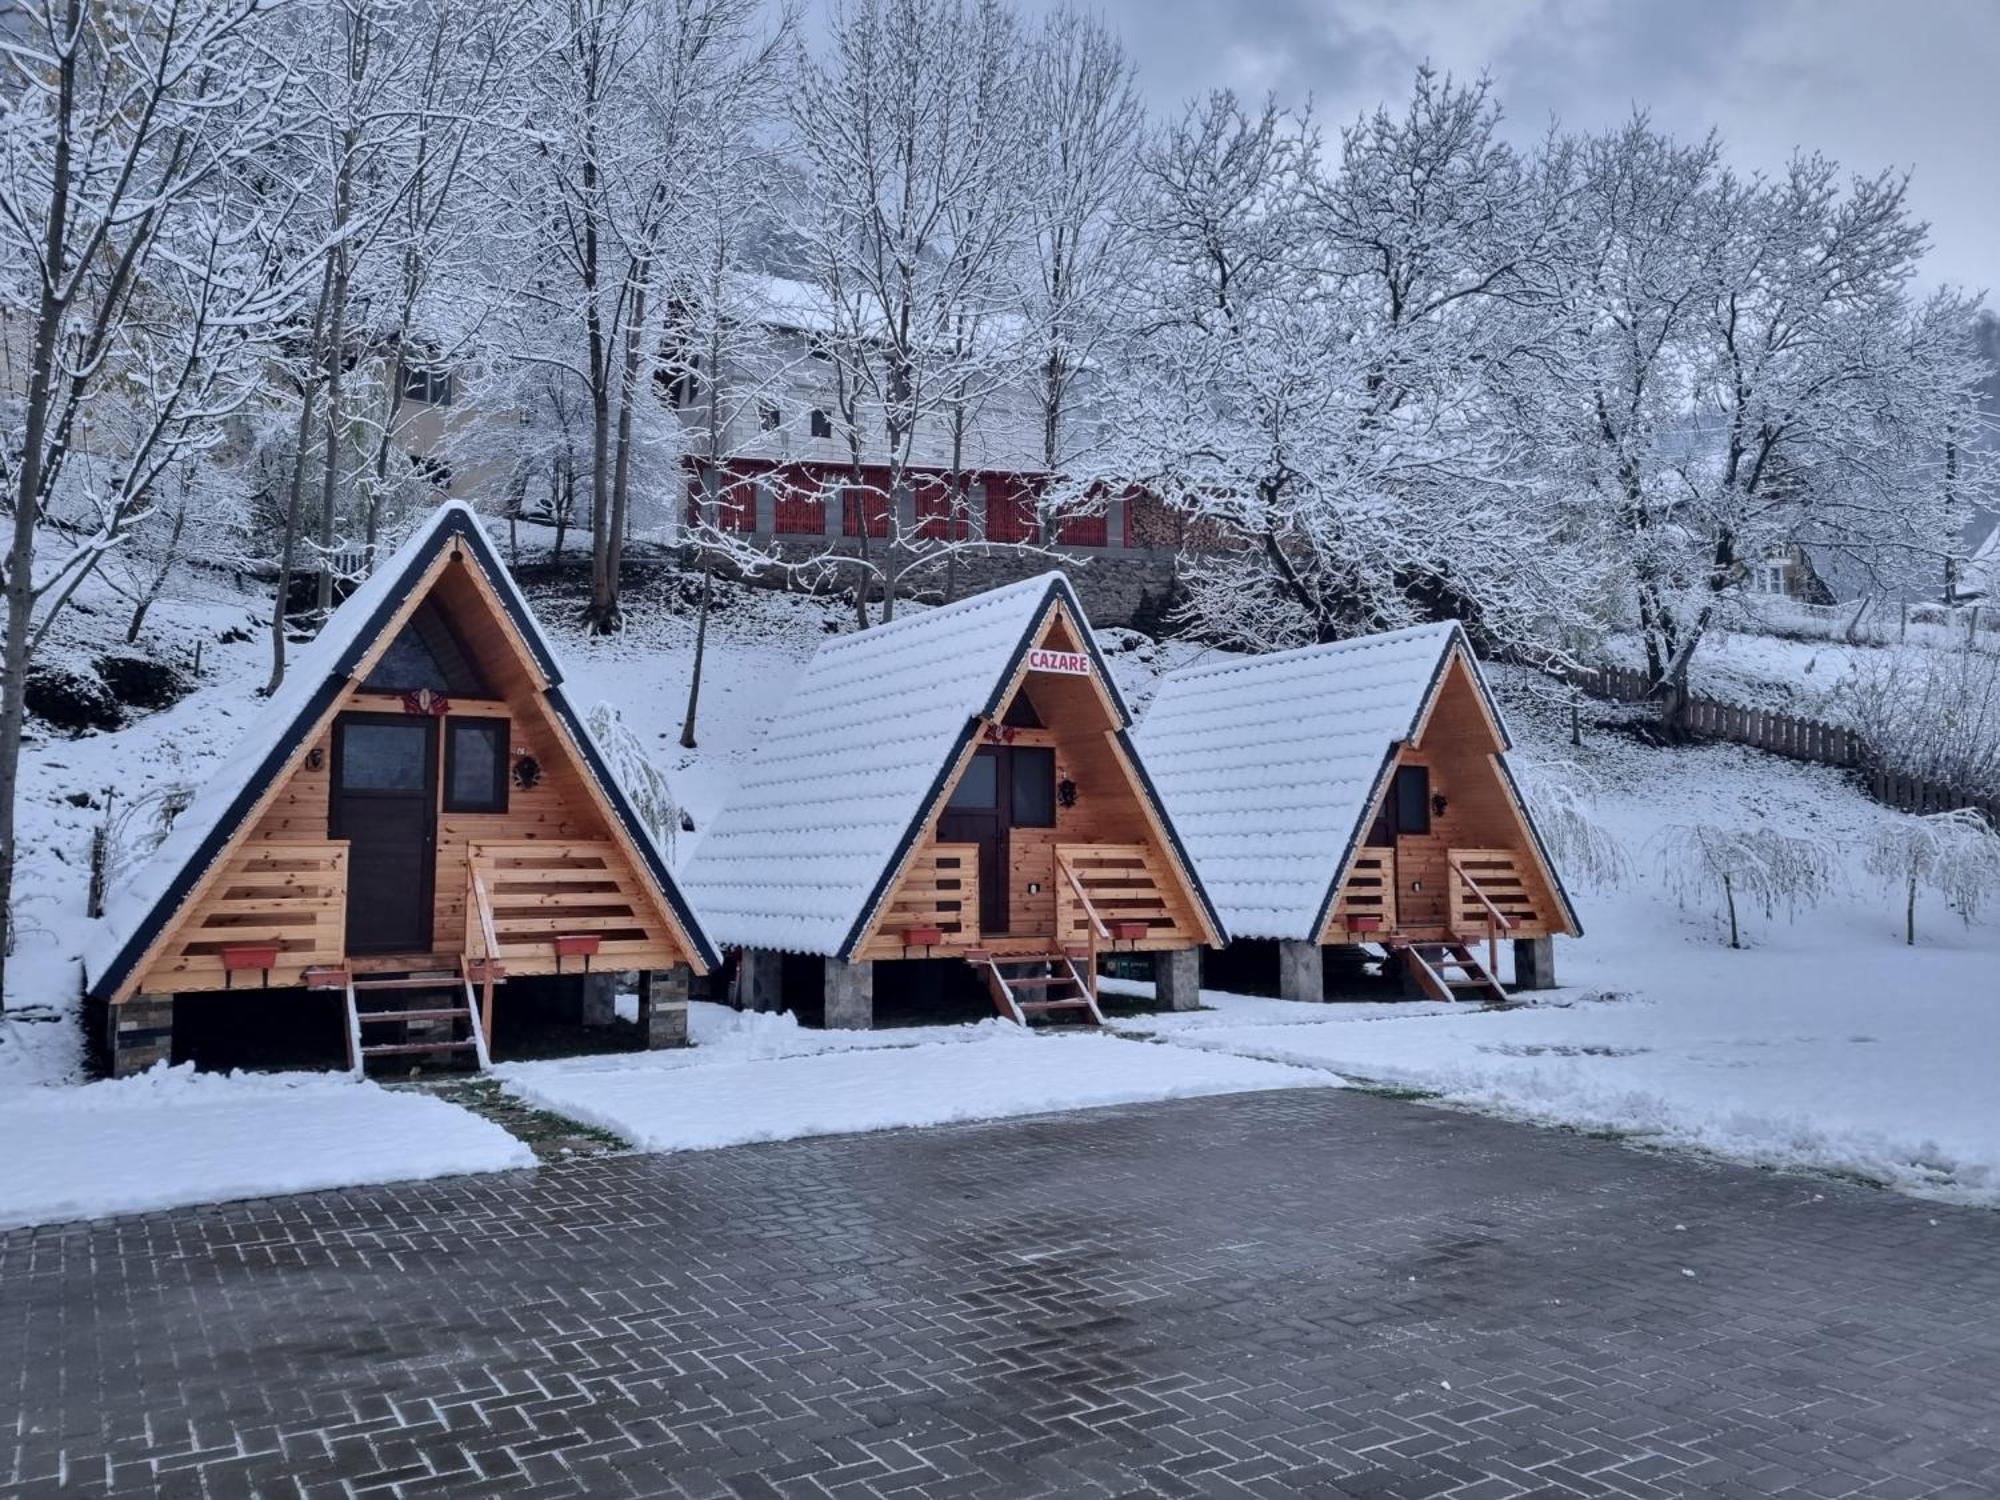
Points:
1309	1293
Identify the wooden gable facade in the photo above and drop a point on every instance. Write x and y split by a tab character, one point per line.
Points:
1446	850
438	806
1043	830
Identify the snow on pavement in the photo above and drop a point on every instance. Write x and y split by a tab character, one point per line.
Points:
746	1085
172	1137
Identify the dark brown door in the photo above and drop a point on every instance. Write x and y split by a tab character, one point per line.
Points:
1004	787
385	806
977	814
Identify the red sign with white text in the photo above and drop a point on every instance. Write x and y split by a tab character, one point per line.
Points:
1069	663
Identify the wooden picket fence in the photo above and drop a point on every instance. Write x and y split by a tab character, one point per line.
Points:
1792	737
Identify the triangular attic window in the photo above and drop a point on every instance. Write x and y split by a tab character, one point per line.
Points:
427	655
1021	713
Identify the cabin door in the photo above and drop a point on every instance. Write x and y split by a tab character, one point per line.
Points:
1004	787
1405	824
385	805
977	814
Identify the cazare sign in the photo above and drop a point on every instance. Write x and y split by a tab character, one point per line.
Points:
1067	663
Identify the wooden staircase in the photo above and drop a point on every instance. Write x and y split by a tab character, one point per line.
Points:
1450	971
425	997
1055	988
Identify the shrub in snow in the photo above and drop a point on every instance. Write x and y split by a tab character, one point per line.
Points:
1934	714
1762	865
644	782
1562	800
1953	853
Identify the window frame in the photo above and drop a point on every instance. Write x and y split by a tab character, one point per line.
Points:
1019	757
820	424
1421	776
499	727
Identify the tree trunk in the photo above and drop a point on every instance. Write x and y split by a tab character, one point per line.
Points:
295	491
1729	897
1910	916
700	654
610	618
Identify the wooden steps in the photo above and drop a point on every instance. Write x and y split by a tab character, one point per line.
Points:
432	998
1450	971
1057	986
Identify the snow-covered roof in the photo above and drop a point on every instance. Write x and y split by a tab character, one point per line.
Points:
137	909
1269	764
802	855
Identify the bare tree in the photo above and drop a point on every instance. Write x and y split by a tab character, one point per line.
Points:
137	271
908	216
1084	123
622	98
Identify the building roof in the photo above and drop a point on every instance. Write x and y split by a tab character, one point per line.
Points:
1270	764
803	855
145	902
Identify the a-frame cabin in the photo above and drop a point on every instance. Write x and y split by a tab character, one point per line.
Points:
1358	794
416	816
956	785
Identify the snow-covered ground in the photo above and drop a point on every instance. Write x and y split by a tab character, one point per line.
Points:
173	1136
1826	1043
764	1078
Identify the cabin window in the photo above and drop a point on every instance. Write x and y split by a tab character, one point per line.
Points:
475	765
1021	713
1034	790
427	384
426	654
1413	799
377	757
979	787
822	424
769	418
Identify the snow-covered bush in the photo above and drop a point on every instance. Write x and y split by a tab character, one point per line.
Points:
1562	798
644	782
1934	714
1953	853
1762	865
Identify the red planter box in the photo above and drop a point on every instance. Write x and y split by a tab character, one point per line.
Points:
1364	924
570	946
922	937
1129	932
250	956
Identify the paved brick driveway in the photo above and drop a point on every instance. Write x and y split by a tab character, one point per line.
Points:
1280	1294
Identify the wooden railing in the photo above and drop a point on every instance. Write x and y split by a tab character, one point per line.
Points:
283	901
1120	885
1079	924
1487	887
1367	903
480	963
939	894
537	893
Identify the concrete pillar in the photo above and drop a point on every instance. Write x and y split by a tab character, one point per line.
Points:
600	999
850	995
905	498
663	1007
760	980
1301	971
1535	963
835	508
1177	979
142	1033
1114	524
765	514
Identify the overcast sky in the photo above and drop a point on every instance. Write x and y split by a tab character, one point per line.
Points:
1908	84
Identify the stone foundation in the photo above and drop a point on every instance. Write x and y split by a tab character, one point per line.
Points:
663	1007
600	999
1535	963
1301	971
850	996
142	1033
1177	979
760	980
